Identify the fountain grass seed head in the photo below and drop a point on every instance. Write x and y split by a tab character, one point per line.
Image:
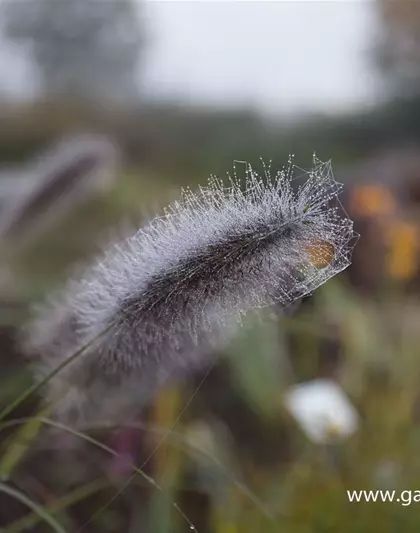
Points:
167	296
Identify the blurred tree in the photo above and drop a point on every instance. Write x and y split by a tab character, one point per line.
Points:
82	48
397	50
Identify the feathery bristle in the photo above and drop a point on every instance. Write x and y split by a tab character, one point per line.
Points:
174	291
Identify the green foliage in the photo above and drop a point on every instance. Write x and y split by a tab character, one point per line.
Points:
299	491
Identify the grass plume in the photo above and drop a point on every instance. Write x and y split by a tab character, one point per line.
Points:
178	287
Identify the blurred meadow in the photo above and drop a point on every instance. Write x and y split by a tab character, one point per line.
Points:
107	109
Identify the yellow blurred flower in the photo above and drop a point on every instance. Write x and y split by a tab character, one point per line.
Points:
402	260
372	200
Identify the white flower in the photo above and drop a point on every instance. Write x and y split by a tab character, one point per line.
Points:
322	409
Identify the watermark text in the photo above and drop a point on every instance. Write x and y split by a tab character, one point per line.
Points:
405	497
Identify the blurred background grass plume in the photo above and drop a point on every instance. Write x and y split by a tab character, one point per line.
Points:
107	109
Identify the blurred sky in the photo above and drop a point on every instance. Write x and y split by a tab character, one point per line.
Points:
282	57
